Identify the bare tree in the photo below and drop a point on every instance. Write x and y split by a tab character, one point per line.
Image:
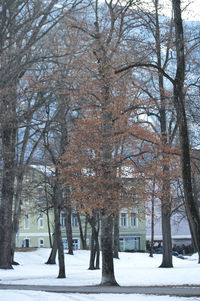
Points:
176	79
179	97
23	24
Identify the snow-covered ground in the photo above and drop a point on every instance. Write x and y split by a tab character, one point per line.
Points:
43	296
131	269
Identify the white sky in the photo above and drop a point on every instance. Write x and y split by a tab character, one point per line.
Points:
191	9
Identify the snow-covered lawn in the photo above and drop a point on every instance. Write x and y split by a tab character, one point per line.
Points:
131	269
42	296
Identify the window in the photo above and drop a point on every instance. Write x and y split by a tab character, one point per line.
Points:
76	243
134	220
40	221
121	244
136	243
26	243
41	243
63	220
74	220
26	221
123	220
129	243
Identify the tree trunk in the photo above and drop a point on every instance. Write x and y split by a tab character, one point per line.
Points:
97	250
192	238
166	234
52	256
48	226
68	212
59	243
8	132
97	247
108	277
58	236
166	217
17	212
165	200
190	205
152	220
116	236
92	244
83	238
47	209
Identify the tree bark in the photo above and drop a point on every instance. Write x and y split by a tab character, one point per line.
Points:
165	199
97	250
108	277
17	211
52	256
83	238
58	235
9	134
116	236
68	212
48	226
94	245
152	220
47	209
179	96
166	233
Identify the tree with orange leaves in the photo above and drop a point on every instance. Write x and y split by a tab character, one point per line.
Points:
90	164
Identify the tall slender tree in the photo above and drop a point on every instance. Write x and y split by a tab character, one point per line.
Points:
179	98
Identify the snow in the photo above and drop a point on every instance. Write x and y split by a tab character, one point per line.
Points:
130	270
42	296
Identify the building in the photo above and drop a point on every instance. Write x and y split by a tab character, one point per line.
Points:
33	231
37	224
179	229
